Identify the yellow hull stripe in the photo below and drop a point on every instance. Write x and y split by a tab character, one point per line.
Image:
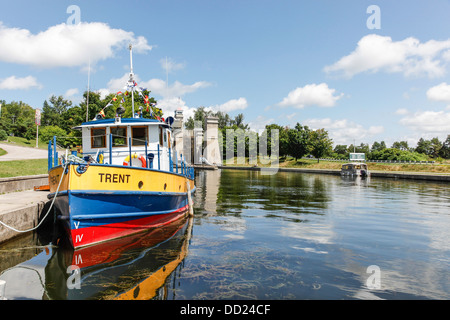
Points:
112	178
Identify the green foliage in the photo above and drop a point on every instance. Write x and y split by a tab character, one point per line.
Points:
54	113
396	155
401	145
3	135
46	133
200	114
59	117
445	150
266	139
112	101
433	147
299	141
17	119
321	144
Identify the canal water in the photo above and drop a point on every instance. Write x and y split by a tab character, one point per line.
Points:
282	236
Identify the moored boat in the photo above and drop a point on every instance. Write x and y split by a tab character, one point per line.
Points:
128	178
356	169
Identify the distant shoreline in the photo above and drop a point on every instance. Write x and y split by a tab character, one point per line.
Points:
427	176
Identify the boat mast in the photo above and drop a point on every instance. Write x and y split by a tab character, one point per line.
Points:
87	97
131	79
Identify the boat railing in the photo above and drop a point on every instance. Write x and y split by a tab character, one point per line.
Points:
177	164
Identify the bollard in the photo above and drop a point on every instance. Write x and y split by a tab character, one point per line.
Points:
2	289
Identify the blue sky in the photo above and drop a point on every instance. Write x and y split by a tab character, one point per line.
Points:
313	62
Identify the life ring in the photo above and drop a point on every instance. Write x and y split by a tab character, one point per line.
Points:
127	162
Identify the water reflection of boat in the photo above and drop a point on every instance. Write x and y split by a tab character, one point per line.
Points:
356	180
133	267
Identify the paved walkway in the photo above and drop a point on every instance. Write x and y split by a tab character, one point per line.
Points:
18	200
21	153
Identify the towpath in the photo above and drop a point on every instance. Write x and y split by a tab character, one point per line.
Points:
21	153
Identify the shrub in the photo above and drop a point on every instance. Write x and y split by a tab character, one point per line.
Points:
397	155
46	133
3	135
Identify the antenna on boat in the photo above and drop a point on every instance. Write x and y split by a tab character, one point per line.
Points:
131	79
167	78
87	98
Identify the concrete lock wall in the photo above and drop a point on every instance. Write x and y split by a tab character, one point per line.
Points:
20	205
22	183
21	219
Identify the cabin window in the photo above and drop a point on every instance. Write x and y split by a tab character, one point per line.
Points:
160	136
98	138
139	136
119	137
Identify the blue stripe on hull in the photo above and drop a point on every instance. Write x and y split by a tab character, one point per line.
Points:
95	208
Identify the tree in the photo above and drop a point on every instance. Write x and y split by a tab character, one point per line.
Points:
17	118
321	144
283	143
431	147
436	147
47	133
52	113
111	102
377	146
445	150
424	146
340	152
396	155
3	135
239	121
299	141
224	119
401	145
200	114
340	149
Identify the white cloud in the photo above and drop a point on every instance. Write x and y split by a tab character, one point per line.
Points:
176	89
14	83
380	53
169	105
259	124
119	84
169	65
344	131
66	45
231	105
441	92
156	86
103	93
291	116
71	92
428	122
311	94
401	111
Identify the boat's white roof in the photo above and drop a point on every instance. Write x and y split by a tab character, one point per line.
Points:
354	163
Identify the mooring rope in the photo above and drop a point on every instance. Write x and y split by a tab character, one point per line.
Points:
51	206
